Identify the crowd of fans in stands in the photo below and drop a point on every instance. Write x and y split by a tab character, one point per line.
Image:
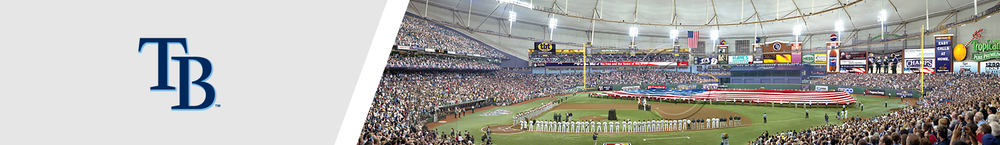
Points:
643	76
407	99
893	81
429	60
960	110
578	57
426	35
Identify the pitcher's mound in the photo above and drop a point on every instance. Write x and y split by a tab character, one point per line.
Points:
503	129
595	118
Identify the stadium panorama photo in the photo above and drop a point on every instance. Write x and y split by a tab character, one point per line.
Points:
655	72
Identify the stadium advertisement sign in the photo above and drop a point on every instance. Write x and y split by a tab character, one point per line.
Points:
740	59
848	90
656	86
915	63
879	92
985	50
604	88
942	53
991	67
915	53
822	88
819	58
832	64
808	58
904	93
797	57
544	48
707	61
854	55
966	67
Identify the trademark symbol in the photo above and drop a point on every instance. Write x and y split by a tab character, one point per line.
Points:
218	105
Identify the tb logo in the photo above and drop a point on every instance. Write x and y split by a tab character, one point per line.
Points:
185	86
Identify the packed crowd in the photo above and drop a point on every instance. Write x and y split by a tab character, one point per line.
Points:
643	76
960	111
889	81
714	73
426	60
578	57
405	100
426	35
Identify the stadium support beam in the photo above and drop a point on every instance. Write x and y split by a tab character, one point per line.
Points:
896	9
487	16
414	8
848	15
797	9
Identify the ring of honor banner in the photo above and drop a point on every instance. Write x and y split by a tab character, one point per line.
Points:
544	48
942	53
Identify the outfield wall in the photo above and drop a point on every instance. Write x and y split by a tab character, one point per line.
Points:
914	93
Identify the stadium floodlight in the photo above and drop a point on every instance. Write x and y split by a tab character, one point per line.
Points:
839	26
633	31
553	22
512	17
797	31
552	27
673	34
882	16
715	34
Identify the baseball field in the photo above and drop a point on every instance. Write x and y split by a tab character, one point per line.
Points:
779	119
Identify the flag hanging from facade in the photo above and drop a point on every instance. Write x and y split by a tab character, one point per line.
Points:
692	39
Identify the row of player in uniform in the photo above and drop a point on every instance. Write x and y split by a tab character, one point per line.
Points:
629	126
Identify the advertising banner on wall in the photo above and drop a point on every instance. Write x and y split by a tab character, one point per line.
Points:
740	59
604	88
915	63
544	48
819	58
904	93
832	64
848	90
879	92
854	55
808	58
942	53
797	57
707	60
656	86
991	67
966	67
822	88
915	53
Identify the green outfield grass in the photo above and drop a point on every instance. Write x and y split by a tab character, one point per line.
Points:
779	119
632	114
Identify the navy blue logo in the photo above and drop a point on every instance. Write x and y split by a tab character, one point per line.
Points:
184	76
777	46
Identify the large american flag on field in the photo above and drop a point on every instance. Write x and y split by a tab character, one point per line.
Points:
692	39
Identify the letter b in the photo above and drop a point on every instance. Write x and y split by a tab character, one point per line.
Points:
185	87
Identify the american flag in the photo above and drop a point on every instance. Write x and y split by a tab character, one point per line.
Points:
692	39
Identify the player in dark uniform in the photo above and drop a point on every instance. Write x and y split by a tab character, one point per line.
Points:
871	63
895	61
885	64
